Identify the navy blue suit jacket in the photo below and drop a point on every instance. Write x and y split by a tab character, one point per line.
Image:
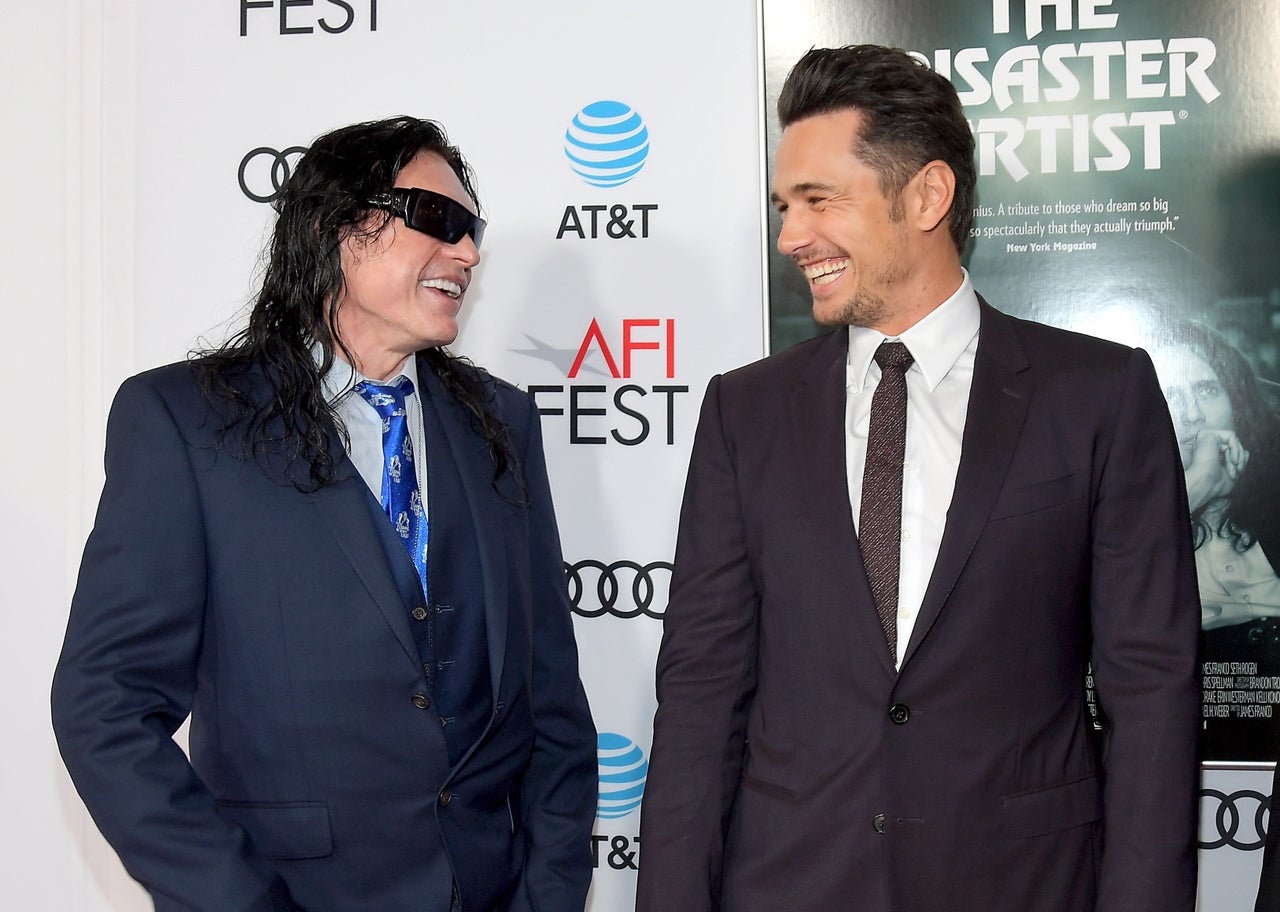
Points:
280	620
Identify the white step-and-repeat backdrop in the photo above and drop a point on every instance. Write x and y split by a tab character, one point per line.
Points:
134	217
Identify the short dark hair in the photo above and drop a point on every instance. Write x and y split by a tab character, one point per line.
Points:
324	202
910	116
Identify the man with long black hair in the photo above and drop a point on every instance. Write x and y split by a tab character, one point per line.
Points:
331	543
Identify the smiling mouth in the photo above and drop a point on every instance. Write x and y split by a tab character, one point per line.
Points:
452	289
824	272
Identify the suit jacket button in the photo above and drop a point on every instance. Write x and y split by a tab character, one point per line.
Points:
421	701
445	797
419	613
899	714
878	823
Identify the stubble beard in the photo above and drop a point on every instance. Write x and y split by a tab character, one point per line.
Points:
865	307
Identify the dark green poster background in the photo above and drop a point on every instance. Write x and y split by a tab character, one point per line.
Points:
1129	160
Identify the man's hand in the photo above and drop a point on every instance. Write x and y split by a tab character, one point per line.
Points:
1216	463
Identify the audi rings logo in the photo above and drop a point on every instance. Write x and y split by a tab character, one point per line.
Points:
264	171
1238	820
623	588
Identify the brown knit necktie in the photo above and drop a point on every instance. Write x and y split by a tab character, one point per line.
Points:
880	522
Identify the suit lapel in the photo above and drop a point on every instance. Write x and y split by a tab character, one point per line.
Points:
818	403
459	472
998	401
346	508
356	521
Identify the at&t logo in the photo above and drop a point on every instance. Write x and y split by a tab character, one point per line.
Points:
623	770
607	144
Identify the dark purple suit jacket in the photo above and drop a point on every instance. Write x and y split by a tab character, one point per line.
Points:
794	769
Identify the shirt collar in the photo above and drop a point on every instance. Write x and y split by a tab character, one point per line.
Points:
936	341
341	378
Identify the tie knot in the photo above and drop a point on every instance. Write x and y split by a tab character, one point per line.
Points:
893	355
387	398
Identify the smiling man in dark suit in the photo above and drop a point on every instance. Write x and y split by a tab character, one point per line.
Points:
901	545
332	544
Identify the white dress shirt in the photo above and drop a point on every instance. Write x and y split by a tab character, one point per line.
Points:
1244	579
364	425
938	382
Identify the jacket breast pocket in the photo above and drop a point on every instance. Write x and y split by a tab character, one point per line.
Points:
1048	810
1041	495
284	830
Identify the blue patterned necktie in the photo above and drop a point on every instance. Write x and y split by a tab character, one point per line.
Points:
400	495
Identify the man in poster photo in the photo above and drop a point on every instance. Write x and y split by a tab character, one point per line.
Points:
901	545
332	543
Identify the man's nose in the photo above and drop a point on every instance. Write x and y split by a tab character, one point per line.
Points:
796	234
466	251
1191	411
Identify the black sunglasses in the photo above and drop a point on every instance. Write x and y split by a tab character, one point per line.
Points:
431	213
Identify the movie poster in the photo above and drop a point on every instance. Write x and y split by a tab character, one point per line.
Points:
1129	187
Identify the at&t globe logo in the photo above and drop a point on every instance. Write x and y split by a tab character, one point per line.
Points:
607	143
623	770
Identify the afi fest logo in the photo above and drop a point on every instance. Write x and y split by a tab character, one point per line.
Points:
630	413
607	144
305	17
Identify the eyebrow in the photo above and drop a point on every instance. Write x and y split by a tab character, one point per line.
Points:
801	189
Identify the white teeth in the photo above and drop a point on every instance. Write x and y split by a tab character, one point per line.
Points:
452	289
815	272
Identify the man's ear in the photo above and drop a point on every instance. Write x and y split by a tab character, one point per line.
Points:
933	189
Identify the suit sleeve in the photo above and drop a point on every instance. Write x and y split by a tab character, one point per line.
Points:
1268	899
125	679
1145	617
705	683
558	793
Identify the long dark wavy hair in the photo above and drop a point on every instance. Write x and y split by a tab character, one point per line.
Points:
1257	426
324	203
